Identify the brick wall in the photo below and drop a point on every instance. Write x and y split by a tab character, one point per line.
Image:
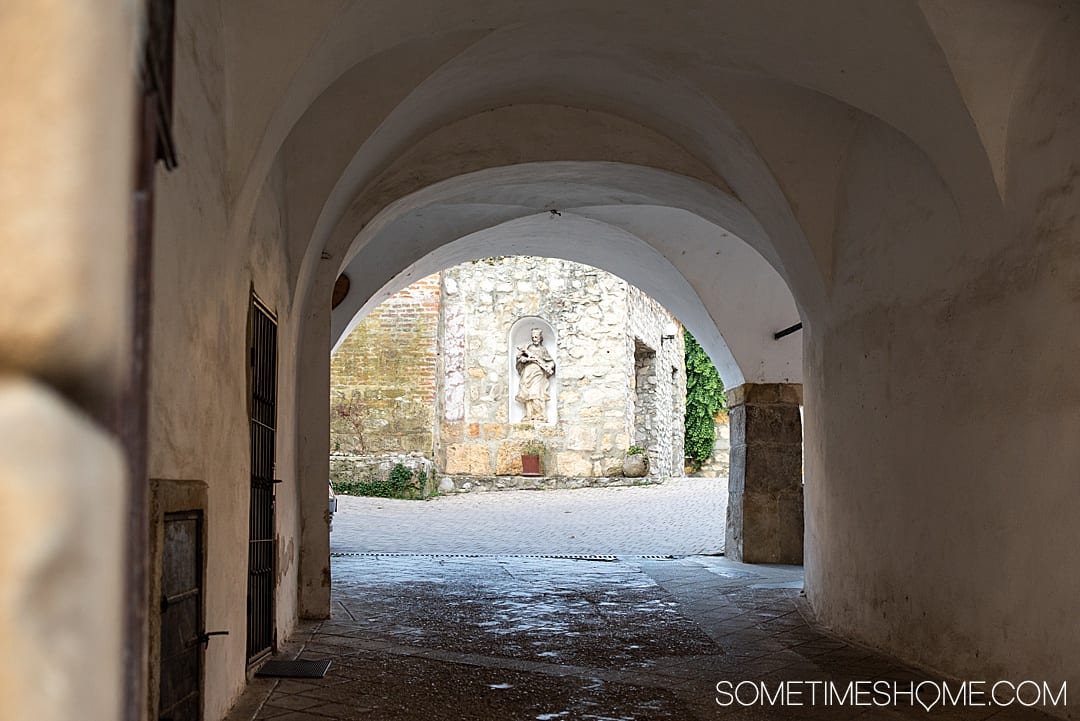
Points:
383	376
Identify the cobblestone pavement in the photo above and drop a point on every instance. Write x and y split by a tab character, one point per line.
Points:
416	638
681	516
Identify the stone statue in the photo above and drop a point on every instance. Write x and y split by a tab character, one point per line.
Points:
534	366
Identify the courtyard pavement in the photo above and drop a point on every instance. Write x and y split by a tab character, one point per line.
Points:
682	516
458	609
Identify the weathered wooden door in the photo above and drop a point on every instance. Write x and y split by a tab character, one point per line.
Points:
260	608
181	618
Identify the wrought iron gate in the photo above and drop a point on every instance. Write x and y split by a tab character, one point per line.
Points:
181	618
260	608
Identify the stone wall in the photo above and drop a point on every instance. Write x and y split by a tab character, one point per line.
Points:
383	376
482	484
348	468
598	320
659	383
717	465
444	348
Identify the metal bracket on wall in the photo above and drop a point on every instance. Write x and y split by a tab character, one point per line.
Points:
787	331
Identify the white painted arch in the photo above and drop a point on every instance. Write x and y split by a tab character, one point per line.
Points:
637	223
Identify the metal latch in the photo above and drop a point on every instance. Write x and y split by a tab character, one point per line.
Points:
204	637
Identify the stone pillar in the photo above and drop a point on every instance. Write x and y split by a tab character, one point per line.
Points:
765	498
313	450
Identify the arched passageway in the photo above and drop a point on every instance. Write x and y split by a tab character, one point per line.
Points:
746	297
690	253
865	205
620	218
428	380
907	169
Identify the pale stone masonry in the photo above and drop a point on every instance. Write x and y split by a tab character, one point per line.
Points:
717	465
617	382
442	350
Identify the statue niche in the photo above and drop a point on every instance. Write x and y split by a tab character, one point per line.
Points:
534	367
535	373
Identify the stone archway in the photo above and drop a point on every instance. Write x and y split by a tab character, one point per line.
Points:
693	248
760	304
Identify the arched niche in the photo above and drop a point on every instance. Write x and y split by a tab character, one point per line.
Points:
520	337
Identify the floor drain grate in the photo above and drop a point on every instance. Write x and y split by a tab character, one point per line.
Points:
299	668
557	556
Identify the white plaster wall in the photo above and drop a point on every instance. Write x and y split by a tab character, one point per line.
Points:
929	310
199	426
664	67
680	258
943	405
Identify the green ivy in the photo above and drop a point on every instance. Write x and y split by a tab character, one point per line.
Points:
398	485
704	399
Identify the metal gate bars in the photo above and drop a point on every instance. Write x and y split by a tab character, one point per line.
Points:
263	410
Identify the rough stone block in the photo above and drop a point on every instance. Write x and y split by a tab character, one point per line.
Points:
772	528
733	528
771	468
573	463
764	393
522	430
468	459
581	438
737	479
737	427
494	431
591	412
791	393
508	458
451	432
595	396
771	423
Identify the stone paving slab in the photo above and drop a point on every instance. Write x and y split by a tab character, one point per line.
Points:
681	516
507	638
452	609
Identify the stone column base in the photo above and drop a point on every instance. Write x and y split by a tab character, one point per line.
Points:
765	497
